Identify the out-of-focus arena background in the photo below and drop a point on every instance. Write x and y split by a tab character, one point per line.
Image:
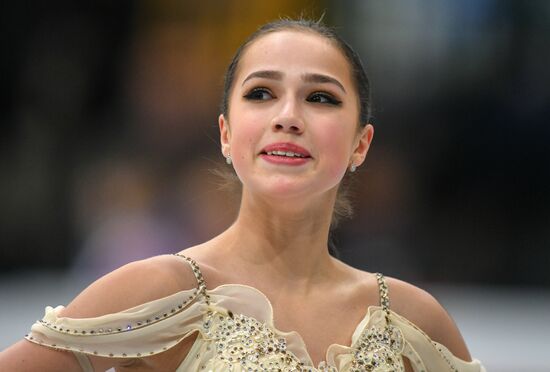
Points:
109	135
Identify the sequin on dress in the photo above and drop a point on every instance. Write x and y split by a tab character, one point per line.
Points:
236	333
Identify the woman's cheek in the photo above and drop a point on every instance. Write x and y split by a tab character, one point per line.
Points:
339	155
244	145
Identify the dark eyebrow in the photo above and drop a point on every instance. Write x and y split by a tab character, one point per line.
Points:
308	77
266	74
320	78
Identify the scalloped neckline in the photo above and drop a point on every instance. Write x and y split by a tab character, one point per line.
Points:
360	327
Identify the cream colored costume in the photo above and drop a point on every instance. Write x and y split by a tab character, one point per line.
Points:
236	333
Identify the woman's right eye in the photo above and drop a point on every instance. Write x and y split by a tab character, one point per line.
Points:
259	94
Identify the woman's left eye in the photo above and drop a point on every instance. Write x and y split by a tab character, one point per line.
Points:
258	94
320	97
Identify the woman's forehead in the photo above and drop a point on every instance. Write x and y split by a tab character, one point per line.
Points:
293	51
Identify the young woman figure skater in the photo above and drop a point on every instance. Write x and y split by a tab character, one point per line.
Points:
266	294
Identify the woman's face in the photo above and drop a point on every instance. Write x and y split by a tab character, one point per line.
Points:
293	128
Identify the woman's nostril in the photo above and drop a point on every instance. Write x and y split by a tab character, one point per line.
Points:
288	126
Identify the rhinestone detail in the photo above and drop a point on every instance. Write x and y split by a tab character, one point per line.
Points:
253	344
199	291
239	339
379	348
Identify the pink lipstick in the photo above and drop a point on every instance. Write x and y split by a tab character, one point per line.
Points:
285	153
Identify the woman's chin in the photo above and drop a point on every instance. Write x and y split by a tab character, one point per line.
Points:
284	186
286	191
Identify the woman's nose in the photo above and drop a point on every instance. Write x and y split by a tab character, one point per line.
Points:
288	120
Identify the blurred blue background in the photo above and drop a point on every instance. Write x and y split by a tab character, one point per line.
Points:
109	134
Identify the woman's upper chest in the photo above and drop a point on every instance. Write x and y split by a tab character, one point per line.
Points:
312	324
325	318
319	324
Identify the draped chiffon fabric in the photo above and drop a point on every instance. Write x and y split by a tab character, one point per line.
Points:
235	332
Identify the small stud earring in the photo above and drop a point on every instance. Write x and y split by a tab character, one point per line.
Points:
228	160
353	168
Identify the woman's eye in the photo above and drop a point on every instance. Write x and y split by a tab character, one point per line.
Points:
320	97
259	94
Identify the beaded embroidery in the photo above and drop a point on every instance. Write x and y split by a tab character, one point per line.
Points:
120	328
255	346
250	343
246	341
379	349
123	327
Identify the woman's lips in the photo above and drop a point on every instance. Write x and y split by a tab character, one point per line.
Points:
286	147
285	160
285	153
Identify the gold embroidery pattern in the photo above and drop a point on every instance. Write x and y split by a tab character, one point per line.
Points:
243	340
250	343
379	350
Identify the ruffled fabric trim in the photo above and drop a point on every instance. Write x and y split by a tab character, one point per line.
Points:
157	326
147	329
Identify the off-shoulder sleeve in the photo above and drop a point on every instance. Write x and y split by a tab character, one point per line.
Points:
428	355
144	330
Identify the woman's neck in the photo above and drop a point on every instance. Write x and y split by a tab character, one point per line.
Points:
286	242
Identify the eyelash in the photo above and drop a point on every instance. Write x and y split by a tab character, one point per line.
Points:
256	95
253	94
330	100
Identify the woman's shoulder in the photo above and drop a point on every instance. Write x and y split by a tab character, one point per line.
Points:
133	284
422	309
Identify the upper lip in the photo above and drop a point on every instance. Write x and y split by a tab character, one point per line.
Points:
286	146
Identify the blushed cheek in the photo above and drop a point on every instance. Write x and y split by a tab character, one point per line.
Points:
244	155
338	153
338	170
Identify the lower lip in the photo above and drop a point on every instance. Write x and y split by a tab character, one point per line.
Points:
285	160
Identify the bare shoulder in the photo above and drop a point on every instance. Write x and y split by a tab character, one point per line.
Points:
422	309
131	285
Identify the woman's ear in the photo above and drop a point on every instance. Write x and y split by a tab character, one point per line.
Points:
225	134
362	146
